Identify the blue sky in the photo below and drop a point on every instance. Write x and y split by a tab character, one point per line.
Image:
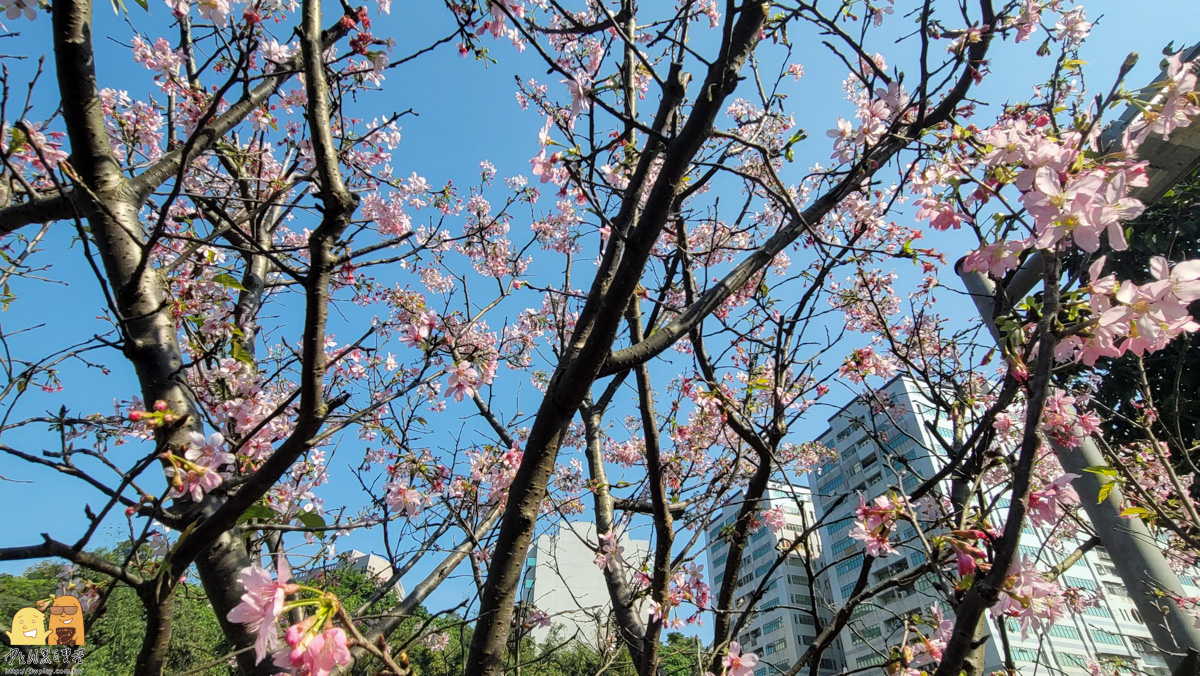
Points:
466	113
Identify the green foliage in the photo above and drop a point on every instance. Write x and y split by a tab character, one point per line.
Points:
115	637
16	592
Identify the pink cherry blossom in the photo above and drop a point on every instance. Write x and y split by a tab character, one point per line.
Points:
462	380
579	85
774	519
407	501
1045	505
610	553
875	523
738	663
1072	28
261	606
994	259
1028	596
316	654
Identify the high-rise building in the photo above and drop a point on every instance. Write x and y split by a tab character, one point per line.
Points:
887	445
782	625
373	566
563	581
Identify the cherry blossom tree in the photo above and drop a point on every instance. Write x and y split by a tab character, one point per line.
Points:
641	356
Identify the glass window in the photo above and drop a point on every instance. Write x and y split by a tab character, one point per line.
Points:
1070	660
1064	631
1024	655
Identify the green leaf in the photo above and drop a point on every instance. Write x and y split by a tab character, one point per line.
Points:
18	140
1102	470
1104	491
227	280
1136	511
256	511
239	353
311	519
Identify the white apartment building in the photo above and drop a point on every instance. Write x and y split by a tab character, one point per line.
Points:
562	580
371	565
782	625
868	445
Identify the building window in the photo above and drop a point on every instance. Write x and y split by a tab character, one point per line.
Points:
834	483
1143	646
841	526
1064	631
871	661
1081	583
1115	590
1101	636
775	647
1098	611
773	625
842	545
1024	655
853	563
1070	660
